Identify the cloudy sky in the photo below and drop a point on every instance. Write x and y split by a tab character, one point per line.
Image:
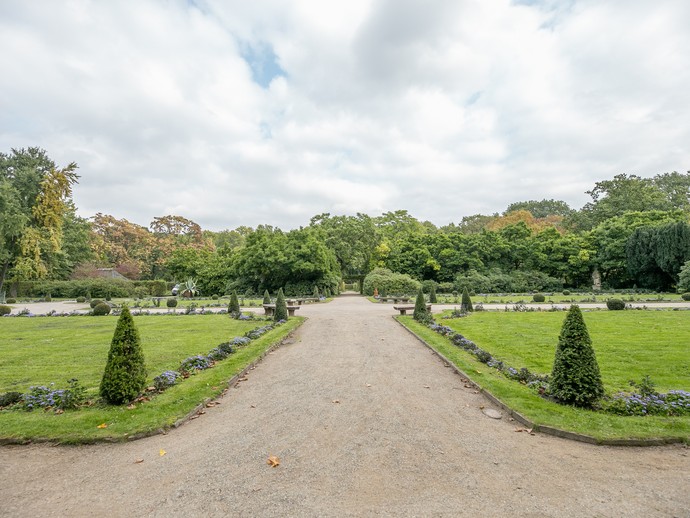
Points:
236	112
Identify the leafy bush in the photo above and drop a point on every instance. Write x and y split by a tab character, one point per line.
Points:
218	353
267	297
234	306
10	398
432	295
11	301
566	292
538	297
95	302
48	397
81	300
420	312
101	309
389	283
281	312
615	304
5	310
685	296
125	371
575	378
171	303
466	303
215	297
165	380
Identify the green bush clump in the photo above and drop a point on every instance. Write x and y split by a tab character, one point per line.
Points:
171	303
101	309
538	297
267	298
575	378
234	306
95	302
5	310
615	304
685	296
281	312
125	371
215	297
10	398
566	292
389	283
466	303
11	301
81	300
432	294
420	312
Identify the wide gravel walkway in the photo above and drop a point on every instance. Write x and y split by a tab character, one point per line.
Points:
366	422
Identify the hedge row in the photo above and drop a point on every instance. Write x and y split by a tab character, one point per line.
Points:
100	288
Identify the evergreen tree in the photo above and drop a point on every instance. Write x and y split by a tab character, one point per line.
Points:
316	294
125	372
281	312
466	303
575	378
234	306
420	312
432	294
267	297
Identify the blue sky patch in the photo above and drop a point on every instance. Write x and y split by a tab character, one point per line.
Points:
262	61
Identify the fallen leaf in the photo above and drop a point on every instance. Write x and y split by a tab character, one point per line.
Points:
162	452
202	412
273	461
368	384
252	406
194	417
102	425
427	386
336	401
138	461
481	407
210	404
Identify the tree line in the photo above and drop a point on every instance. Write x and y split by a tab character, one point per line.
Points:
634	232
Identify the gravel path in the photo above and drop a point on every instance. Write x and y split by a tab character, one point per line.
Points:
366	422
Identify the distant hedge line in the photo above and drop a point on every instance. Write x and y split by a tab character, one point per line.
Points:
95	288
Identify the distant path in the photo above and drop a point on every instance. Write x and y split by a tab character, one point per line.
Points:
366	422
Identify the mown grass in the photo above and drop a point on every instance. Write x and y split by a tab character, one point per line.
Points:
559	298
628	346
39	351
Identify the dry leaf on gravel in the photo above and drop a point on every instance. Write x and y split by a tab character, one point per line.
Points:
138	461
273	461
162	452
336	401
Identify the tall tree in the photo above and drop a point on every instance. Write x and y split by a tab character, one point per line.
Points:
35	197
541	209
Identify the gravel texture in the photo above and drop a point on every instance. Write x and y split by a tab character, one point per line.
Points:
365	421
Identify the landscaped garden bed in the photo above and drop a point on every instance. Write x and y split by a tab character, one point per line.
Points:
629	347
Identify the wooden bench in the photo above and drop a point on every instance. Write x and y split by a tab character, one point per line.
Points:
404	309
269	309
395	300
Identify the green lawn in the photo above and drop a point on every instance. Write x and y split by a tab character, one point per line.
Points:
38	351
628	346
559	298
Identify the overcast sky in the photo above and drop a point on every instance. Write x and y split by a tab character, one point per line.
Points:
247	112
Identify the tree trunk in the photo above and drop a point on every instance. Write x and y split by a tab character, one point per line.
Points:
3	273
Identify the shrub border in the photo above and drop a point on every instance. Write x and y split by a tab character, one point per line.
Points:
549	430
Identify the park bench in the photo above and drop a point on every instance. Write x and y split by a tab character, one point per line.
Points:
404	309
269	309
395	300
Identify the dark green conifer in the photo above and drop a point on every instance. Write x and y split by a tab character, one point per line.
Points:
432	294
316	294
575	378
281	312
420	312
125	372
466	303
267	298
234	306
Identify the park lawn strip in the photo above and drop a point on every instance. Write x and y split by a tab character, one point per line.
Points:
163	411
599	425
559	298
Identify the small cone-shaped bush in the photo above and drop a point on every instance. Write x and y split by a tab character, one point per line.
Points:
420	313
281	312
125	372
466	304
267	298
234	306
575	378
432	294
316	294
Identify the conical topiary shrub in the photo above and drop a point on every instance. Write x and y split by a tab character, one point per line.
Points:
420	312
432	294
316	294
234	306
575	378
267	298
281	312
125	372
466	303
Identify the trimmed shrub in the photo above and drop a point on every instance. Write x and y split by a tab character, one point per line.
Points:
47	298
234	306
125	371
5	310
280	312
10	398
685	296
95	302
432	295
389	283
171	303
420	312
267	298
615	304
575	378
538	297
11	301
316	293
101	309
466	303
566	292
214	297
81	300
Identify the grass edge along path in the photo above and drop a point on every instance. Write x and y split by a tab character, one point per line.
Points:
544	416
165	410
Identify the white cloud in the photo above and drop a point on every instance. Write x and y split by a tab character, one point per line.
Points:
443	108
